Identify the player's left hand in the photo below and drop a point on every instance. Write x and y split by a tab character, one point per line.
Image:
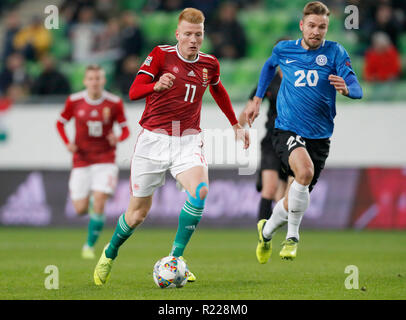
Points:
242	134
339	84
112	139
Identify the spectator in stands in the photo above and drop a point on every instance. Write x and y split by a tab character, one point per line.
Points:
164	5
132	39
83	36
107	42
14	75
382	60
386	21
226	33
171	5
12	26
50	81
106	9
208	7
127	74
72	9
33	40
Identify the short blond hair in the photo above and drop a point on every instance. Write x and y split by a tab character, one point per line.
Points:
93	67
191	15
315	7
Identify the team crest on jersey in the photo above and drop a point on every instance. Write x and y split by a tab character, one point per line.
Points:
205	77
148	61
321	59
94	113
106	114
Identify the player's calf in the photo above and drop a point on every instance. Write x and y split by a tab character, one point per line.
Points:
136	216
298	202
189	218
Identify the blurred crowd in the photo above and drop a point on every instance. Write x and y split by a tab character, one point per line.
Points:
105	30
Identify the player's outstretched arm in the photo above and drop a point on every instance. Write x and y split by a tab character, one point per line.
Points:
222	99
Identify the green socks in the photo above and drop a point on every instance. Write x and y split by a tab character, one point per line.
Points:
95	226
188	220
121	234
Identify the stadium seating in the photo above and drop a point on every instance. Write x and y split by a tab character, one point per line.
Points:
263	28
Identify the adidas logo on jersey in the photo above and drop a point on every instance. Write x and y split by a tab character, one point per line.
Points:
191	74
94	113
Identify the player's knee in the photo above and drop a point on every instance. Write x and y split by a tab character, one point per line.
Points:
200	195
204	191
268	191
305	174
135	217
81	208
98	204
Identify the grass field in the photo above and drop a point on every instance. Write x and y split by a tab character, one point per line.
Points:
223	261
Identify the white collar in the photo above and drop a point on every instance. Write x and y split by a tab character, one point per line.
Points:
183	59
92	101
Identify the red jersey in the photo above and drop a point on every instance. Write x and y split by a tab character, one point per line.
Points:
183	101
94	120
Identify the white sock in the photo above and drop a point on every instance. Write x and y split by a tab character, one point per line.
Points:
298	202
278	218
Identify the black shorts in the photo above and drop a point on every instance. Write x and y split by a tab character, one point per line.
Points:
284	142
269	160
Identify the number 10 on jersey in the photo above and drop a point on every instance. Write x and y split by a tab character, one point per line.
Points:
188	86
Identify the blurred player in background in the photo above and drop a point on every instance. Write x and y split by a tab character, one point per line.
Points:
271	180
173	79
313	70
94	175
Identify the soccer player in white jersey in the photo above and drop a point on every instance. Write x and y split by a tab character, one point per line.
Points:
173	79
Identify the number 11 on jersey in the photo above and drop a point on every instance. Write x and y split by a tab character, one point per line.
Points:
188	86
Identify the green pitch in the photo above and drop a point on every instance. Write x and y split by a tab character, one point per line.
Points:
223	261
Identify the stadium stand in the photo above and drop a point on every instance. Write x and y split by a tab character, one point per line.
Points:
263	24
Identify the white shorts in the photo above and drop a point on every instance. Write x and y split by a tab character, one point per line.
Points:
96	177
155	153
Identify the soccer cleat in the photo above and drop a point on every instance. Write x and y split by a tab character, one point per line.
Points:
264	248
289	249
103	269
88	252
191	277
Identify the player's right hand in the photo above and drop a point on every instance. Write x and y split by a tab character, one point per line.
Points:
252	110
72	147
165	82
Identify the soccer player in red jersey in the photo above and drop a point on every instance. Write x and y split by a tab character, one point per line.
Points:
173	79
94	170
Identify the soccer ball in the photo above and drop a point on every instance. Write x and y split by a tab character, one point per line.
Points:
170	272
